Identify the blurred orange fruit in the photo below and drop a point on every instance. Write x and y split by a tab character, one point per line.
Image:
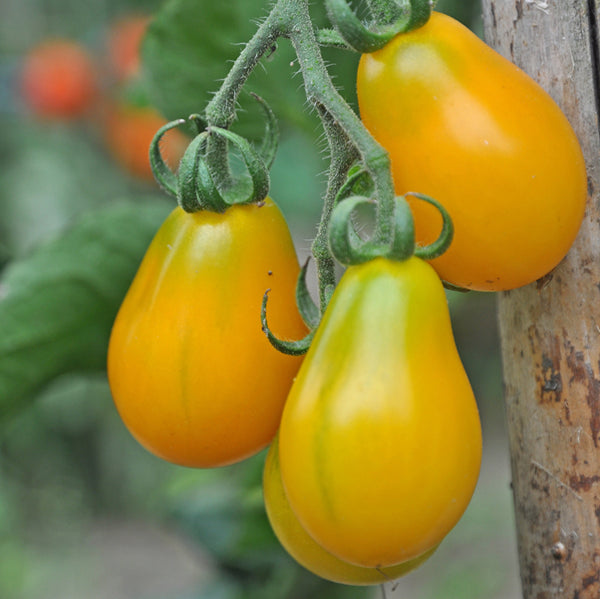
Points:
128	133
58	80
124	42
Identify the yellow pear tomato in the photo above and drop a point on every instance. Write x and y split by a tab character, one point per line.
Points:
380	440
192	374
305	550
464	125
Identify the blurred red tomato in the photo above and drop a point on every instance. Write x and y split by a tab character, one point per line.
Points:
128	132
58	80
124	41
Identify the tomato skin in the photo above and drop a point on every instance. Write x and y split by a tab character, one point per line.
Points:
58	80
192	375
380	440
305	550
464	125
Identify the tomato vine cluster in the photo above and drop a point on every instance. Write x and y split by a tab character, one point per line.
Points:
477	181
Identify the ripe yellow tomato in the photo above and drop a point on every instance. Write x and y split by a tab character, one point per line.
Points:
380	440
465	126
192	374
305	550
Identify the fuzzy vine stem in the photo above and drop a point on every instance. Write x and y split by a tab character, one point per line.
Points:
343	156
221	110
321	92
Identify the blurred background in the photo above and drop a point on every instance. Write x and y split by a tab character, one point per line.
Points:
85	512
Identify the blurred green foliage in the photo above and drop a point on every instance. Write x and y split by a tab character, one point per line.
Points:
59	302
73	227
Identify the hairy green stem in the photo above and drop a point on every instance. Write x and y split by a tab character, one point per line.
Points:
221	110
343	155
321	92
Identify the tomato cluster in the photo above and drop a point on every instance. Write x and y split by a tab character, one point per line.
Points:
378	442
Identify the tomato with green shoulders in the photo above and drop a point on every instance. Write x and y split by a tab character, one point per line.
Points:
464	125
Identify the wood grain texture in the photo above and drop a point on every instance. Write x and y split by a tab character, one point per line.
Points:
550	331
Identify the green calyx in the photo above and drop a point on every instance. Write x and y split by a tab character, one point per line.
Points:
349	248
196	186
390	18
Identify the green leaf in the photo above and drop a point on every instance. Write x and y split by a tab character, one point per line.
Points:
57	305
188	51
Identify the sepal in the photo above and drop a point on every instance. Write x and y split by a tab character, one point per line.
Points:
164	176
442	243
193	184
409	15
292	348
270	142
309	311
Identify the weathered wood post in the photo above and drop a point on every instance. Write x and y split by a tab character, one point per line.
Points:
551	330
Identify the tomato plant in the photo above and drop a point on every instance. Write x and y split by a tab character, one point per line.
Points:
305	550
193	376
379	435
380	441
464	125
58	79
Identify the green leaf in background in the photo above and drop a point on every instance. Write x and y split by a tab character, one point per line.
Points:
57	305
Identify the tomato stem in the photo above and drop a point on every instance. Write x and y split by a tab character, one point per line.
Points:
221	110
346	135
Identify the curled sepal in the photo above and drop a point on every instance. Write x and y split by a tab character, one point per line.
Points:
358	183
308	309
268	149
418	15
410	15
353	31
257	169
198	122
346	246
441	244
164	176
403	241
196	189
292	348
